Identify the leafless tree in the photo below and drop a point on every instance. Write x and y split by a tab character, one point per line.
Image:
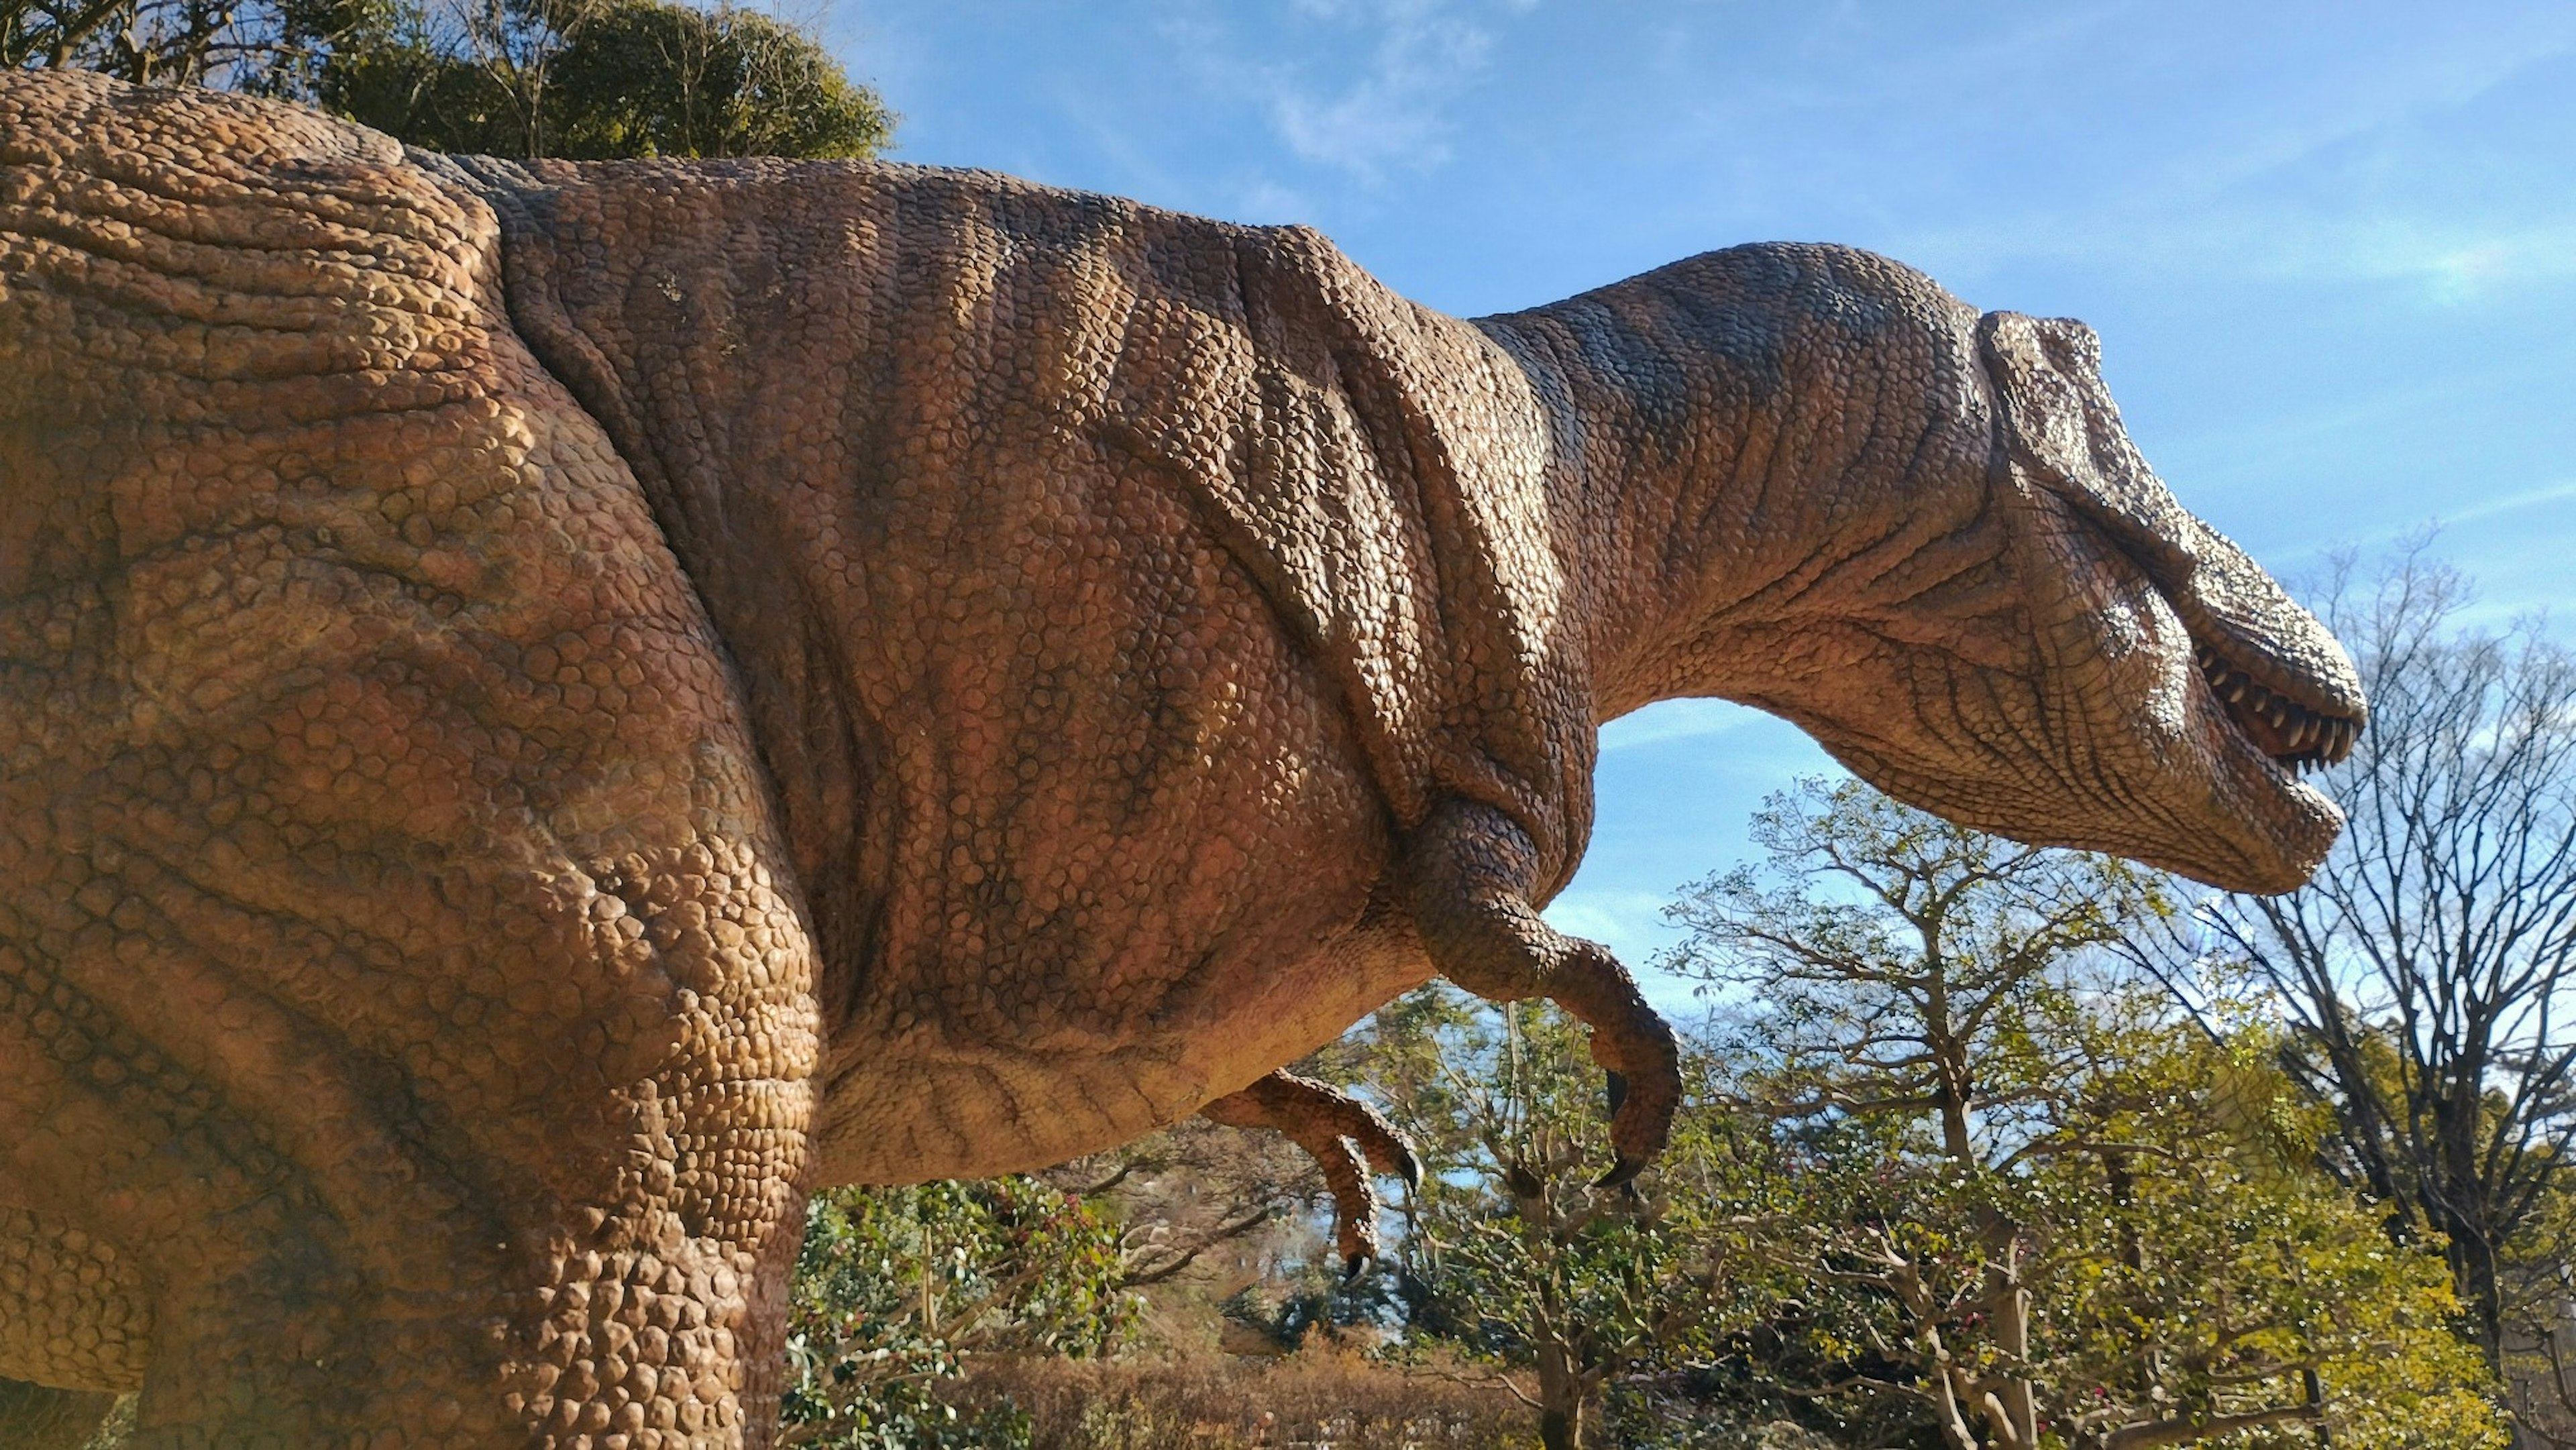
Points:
1191	1188
2425	974
149	42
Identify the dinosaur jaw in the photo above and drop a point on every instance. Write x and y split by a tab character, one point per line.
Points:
2281	825
2275	696
2171	726
2288	733
2210	725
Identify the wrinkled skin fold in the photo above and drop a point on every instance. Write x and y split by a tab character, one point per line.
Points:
546	711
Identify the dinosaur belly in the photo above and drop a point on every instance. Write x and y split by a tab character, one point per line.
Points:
940	1104
1131	850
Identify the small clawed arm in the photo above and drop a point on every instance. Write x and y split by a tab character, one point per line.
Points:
1337	1131
1472	871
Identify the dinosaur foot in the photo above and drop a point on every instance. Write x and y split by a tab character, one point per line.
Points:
1345	1137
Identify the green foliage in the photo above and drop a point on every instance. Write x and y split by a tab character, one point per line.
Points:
593	79
588	79
1512	1255
2423	973
144	41
2021	1203
2199	1265
894	1286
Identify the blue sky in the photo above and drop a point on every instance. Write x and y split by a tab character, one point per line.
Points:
2330	248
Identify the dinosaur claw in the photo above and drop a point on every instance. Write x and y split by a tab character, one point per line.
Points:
1622	1174
1637	1051
1346	1138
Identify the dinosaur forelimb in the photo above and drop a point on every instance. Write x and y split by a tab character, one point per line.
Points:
1338	1131
1473	870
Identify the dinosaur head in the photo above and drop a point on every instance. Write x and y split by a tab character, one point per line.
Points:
2095	667
1809	479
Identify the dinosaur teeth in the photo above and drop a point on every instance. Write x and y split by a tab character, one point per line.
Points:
2297	737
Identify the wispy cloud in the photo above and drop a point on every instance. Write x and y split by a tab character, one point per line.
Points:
2359	175
2558	492
1677	720
2393	156
2438	255
1389	114
1360	87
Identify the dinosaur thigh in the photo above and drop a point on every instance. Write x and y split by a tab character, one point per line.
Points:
396	965
80	1313
1135	855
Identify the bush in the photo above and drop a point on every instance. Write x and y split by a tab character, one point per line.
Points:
894	1285
1319	1396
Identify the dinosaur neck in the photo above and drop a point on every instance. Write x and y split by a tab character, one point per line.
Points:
1739	438
1651	466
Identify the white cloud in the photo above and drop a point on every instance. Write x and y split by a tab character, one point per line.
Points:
1265	202
2559	491
2357	174
1677	720
1387	116
1363	87
2398	154
2438	254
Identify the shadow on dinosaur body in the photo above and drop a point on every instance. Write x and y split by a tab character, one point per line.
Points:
549	709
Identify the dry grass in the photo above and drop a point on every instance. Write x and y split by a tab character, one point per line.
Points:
1319	1399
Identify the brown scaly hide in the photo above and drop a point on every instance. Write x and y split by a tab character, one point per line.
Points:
1084	562
398	966
967	673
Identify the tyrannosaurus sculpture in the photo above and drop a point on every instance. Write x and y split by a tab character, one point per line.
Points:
545	711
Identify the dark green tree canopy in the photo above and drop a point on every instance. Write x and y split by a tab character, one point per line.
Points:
589	79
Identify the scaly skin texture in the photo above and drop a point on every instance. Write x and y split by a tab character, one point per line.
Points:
1345	1136
398	969
868	674
1113	591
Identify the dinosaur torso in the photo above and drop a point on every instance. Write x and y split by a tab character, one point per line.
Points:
545	711
1111	590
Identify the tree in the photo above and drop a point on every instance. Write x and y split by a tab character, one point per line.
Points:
1191	1188
2027	1201
2424	973
579	78
1512	1253
594	79
1222	1232
156	42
